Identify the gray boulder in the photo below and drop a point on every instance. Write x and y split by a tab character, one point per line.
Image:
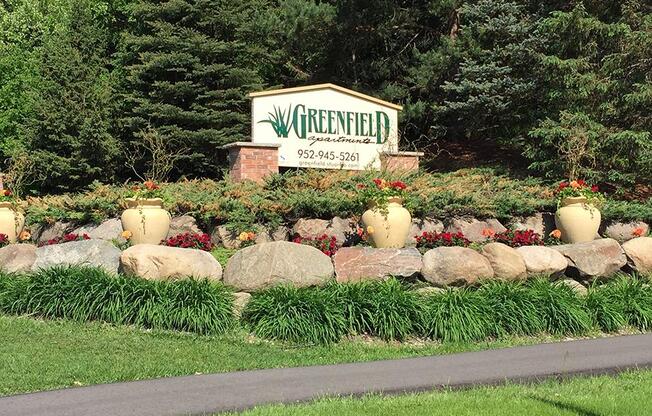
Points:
622	232
343	229
639	254
108	230
455	266
155	262
17	258
473	229
183	224
97	253
419	226
353	264
266	235
223	236
544	261
281	262
542	223
48	232
506	262
593	260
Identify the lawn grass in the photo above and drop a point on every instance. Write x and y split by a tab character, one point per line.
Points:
624	394
41	354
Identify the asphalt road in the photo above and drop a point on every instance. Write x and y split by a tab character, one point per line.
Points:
206	394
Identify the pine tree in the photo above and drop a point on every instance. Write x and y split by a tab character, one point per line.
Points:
189	65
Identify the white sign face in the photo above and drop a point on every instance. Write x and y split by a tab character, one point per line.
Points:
325	127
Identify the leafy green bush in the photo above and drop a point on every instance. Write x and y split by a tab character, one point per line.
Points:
387	309
457	315
561	309
513	307
85	294
300	315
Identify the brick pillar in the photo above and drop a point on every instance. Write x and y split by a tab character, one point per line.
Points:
400	161
252	161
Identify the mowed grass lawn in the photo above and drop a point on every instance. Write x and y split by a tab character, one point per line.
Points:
624	394
40	355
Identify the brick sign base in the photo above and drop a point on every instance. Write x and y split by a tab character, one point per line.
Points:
254	161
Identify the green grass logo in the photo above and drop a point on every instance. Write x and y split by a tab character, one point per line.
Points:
280	121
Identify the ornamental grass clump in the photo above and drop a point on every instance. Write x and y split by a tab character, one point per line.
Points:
513	307
386	309
561	309
88	294
298	315
457	315
605	307
635	298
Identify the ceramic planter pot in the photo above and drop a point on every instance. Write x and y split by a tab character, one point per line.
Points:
147	221
11	222
577	220
391	228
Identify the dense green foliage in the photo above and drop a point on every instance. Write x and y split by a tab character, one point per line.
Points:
88	294
390	309
482	193
95	90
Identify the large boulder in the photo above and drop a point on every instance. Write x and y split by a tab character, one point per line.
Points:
107	230
455	266
420	226
622	232
281	262
154	262
544	261
593	260
474	230
542	223
507	263
96	253
183	224
353	264
345	230
17	258
639	254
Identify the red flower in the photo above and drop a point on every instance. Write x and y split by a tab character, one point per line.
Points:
594	188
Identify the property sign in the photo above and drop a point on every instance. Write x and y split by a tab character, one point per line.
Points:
325	126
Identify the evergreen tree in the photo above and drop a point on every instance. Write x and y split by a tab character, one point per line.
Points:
189	65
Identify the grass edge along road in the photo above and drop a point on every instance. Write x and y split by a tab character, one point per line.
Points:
38	355
621	394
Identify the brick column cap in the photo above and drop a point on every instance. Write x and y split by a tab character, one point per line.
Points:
402	153
251	144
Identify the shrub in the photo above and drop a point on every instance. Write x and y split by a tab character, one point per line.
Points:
456	315
562	311
386	309
324	243
300	315
431	239
513	307
518	238
85	294
191	240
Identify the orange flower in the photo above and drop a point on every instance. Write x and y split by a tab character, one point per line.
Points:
251	236
24	235
150	185
638	232
488	232
555	234
127	234
6	192
575	184
370	230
